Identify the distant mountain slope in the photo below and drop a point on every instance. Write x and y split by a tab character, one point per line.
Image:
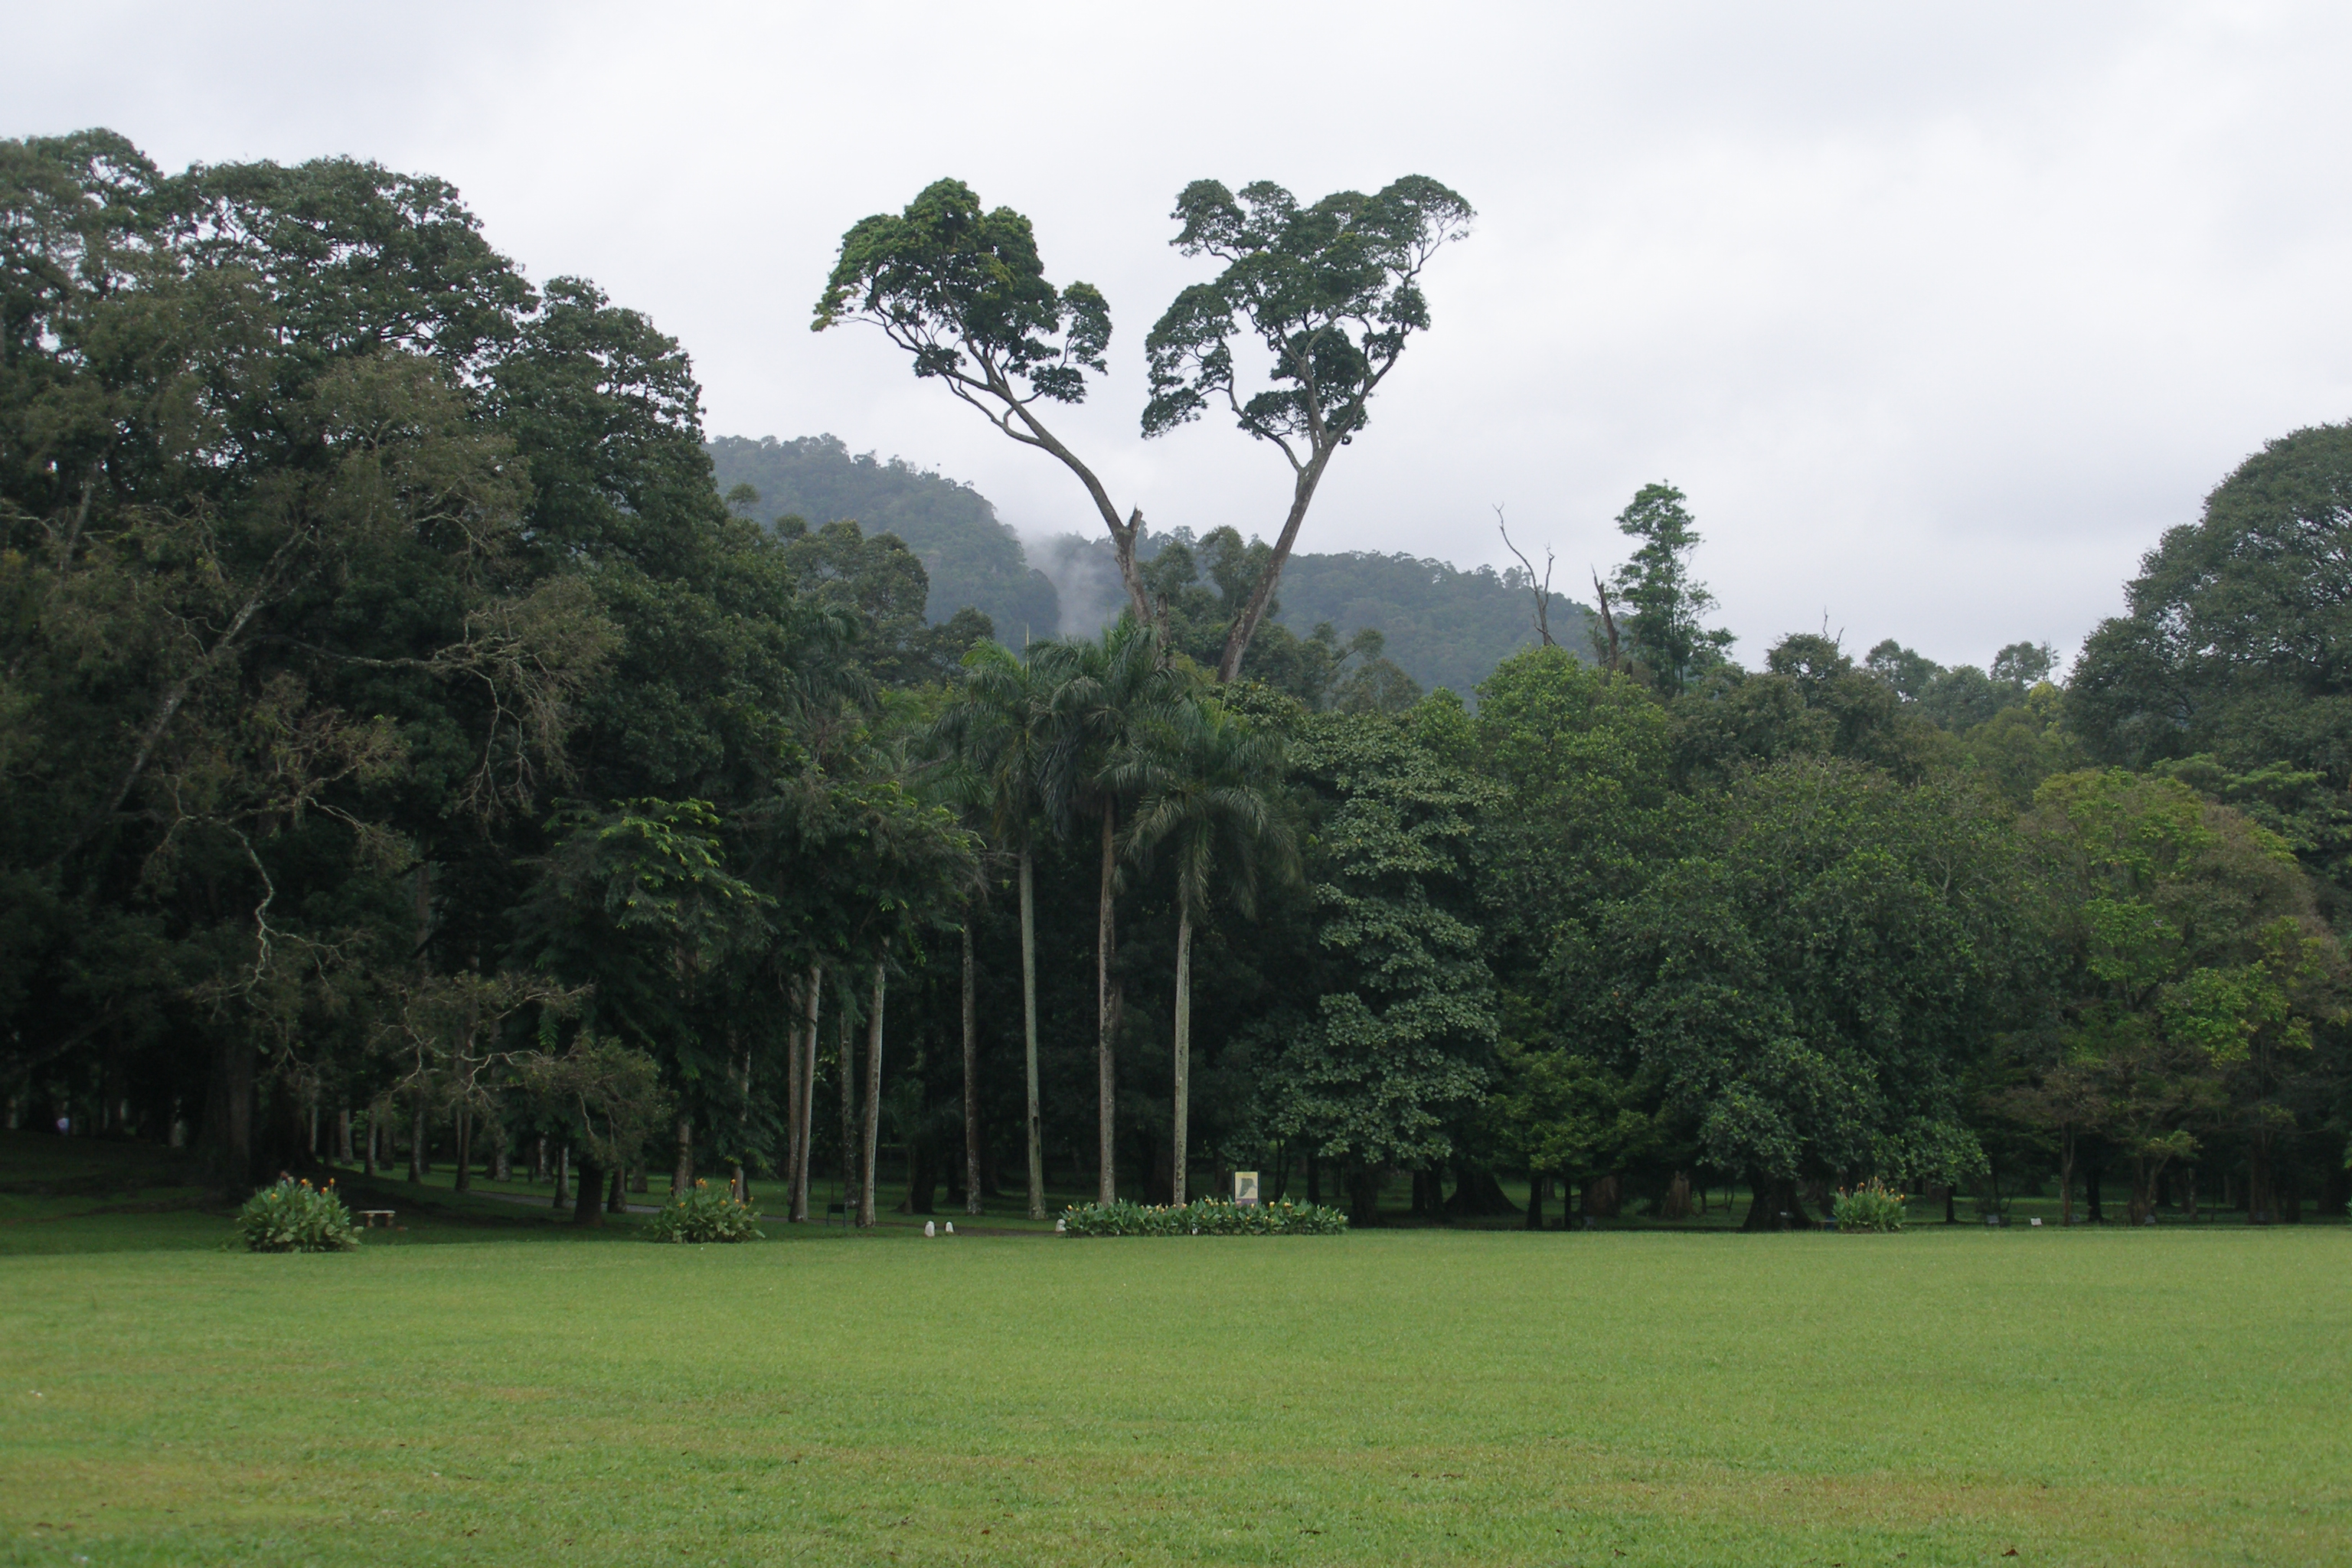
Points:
971	557
1444	626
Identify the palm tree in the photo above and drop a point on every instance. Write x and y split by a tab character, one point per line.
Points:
1103	692
1001	728
1207	777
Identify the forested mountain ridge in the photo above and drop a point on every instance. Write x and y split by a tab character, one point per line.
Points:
974	559
1442	624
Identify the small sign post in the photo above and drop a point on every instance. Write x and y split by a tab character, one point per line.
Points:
1245	1189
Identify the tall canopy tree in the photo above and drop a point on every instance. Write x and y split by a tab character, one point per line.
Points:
1667	605
1330	291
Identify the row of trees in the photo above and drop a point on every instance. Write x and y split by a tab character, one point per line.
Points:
408	745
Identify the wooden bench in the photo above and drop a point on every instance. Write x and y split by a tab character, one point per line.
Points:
368	1218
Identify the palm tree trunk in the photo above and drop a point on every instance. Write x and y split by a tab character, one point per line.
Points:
683	1176
873	1130
793	1089
846	1050
1029	1034
970	1083
805	1114
1183	1046
1105	1021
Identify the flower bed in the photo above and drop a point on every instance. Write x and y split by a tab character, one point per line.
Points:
1203	1216
292	1215
1871	1206
705	1213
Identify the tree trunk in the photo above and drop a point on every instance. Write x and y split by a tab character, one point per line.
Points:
1536	1184
922	1179
2092	1169
538	1161
461	1129
1105	1021
1029	1034
590	1209
375	1127
420	1162
1314	1178
1364	1196
681	1180
2066	1178
873	1130
563	1176
1477	1194
501	1167
813	1002
1777	1206
846	1053
616	1201
228	1115
1183	1141
970	1082
343	1136
793	1089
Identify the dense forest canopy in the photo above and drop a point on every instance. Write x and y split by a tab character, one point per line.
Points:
413	753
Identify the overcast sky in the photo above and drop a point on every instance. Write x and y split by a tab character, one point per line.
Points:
1939	314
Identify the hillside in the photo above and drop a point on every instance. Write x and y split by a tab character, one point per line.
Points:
971	557
1444	626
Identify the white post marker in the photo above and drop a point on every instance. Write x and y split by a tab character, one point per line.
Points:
950	1227
929	1228
1245	1189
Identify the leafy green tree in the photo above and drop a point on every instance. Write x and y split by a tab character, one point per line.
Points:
2233	645
1207	780
1392	1050
609	1099
1665	602
1330	291
1811	976
963	291
2193	967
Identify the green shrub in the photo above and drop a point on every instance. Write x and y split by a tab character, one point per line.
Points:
1868	1208
291	1216
705	1213
1202	1217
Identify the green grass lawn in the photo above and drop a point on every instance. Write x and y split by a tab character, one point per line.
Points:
515	1392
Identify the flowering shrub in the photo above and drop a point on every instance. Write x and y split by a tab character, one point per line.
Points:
705	1213
1868	1208
1203	1216
291	1216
